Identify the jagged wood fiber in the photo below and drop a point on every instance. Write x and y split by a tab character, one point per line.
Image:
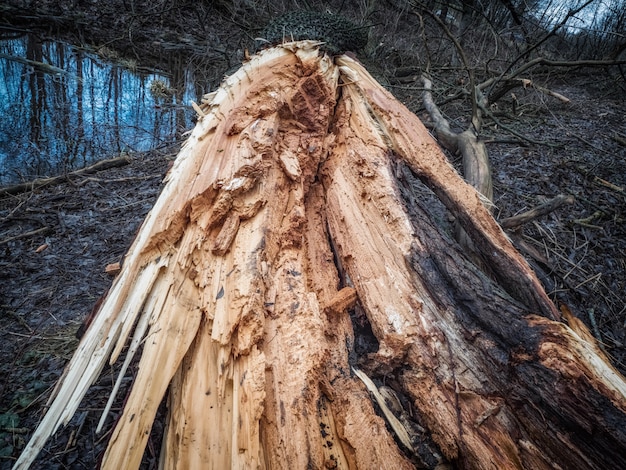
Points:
283	212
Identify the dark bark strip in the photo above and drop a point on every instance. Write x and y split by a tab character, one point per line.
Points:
542	401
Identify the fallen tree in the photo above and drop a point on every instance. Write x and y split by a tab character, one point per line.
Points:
303	204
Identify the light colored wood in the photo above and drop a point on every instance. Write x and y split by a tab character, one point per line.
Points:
113	269
410	140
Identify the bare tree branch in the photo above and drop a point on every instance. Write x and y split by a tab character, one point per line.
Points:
549	34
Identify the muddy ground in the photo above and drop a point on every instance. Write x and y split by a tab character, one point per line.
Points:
51	279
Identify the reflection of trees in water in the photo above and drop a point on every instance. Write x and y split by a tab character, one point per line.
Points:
80	123
63	108
37	88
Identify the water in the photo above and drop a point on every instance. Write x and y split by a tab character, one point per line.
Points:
62	108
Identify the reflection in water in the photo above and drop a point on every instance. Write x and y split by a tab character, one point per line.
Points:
62	109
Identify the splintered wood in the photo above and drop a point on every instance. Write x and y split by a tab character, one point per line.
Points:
282	215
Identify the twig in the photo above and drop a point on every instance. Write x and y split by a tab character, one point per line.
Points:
582	223
595	277
25	235
547	233
586	222
596	330
18	318
595	206
619	139
94	179
607	184
515	133
14	210
126	206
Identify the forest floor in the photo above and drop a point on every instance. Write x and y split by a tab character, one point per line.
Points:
51	279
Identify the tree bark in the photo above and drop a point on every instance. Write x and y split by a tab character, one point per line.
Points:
292	221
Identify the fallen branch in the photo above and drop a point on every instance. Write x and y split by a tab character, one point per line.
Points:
39	182
536	212
508	78
513	83
476	166
510	130
40	66
92	179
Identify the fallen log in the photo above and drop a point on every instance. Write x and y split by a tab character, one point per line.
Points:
293	216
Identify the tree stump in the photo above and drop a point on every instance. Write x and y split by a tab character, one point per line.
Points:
302	211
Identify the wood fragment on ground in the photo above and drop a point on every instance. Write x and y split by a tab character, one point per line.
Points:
536	212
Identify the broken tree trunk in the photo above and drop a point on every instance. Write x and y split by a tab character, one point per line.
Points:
296	211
